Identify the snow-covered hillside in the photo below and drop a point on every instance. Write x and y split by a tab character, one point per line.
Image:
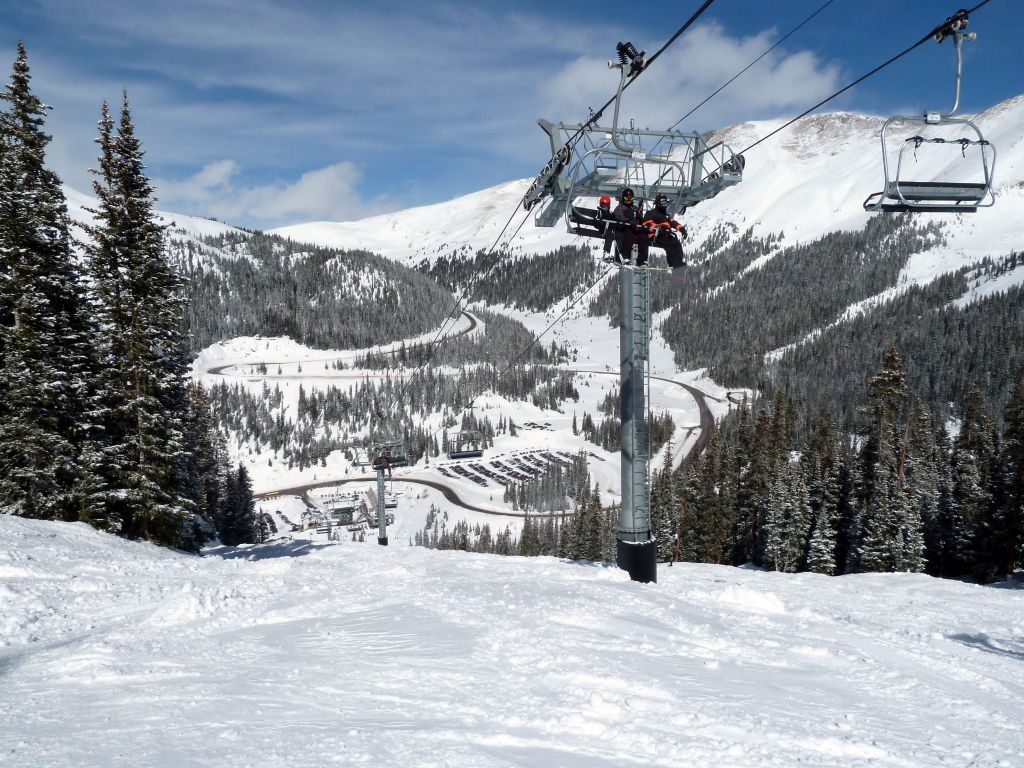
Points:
808	180
299	653
182	226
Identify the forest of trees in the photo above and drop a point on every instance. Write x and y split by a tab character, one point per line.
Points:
250	283
330	418
792	492
525	282
98	422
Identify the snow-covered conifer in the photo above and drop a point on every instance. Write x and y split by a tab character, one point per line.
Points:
45	352
142	382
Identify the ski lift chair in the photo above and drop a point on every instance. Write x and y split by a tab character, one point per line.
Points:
901	195
589	161
383	454
467	437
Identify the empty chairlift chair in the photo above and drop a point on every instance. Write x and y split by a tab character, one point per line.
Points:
971	187
467	444
383	453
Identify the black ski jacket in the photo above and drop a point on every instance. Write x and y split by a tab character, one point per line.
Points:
659	221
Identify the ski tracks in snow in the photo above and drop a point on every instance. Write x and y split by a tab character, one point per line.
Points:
115	653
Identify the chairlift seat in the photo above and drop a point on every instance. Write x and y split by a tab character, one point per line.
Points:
586	222
899	195
474	453
928	196
937	191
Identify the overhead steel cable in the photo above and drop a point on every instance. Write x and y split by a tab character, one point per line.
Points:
465	293
453	315
526	350
456	310
743	71
595	116
936	31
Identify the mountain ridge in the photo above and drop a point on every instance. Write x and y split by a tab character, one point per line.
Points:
808	180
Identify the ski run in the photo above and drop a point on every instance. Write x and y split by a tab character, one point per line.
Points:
117	653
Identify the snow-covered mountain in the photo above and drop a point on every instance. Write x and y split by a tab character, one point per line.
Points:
181	225
810	179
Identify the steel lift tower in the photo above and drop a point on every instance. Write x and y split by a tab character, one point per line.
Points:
588	161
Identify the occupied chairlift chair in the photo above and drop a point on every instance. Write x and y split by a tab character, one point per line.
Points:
588	161
900	195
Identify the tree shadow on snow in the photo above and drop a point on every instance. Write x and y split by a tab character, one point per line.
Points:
983	642
1014	581
267	551
588	563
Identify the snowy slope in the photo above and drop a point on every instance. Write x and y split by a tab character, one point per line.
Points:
808	180
300	653
195	226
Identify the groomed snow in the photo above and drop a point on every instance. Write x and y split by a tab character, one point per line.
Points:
298	653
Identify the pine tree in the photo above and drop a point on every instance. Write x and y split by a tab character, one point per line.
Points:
890	527
236	523
45	353
971	500
664	508
142	385
822	457
1013	460
787	521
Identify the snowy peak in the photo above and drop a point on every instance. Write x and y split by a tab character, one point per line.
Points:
79	205
810	179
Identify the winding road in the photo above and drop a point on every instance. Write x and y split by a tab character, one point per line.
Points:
219	369
707	424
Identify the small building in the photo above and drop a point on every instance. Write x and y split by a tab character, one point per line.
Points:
343	508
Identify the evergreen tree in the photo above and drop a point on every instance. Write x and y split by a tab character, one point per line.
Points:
236	522
788	520
890	528
142	384
1013	453
924	483
45	353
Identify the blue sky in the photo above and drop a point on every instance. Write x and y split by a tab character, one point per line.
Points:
264	113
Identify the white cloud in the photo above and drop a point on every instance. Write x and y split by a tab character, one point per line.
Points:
329	193
692	69
437	98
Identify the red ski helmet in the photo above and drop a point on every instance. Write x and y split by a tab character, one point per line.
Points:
604	203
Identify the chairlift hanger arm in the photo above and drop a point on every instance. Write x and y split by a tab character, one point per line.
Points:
937	196
930	36
540	185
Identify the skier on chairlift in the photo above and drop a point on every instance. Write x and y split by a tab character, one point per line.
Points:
604	220
663	230
630	229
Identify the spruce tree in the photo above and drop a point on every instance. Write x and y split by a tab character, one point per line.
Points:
890	527
142	382
1013	455
971	492
236	522
45	353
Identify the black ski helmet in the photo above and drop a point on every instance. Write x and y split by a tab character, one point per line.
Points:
626	196
661	201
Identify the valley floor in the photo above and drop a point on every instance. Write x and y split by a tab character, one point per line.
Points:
114	653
